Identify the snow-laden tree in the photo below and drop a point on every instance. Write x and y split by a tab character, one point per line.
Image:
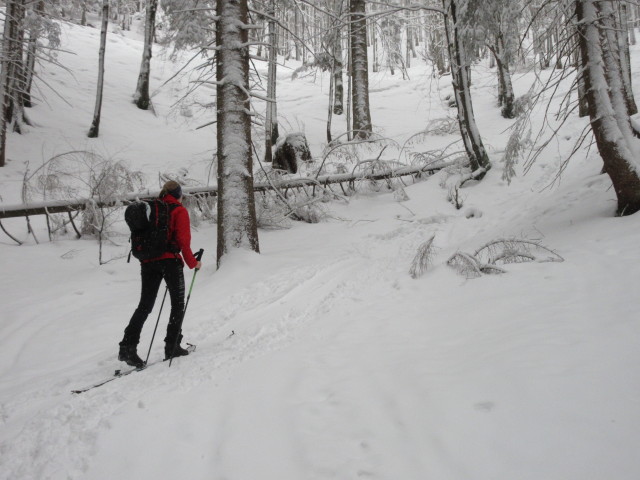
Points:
391	28
603	77
497	27
187	23
27	26
237	226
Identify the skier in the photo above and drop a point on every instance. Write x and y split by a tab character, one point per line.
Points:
167	266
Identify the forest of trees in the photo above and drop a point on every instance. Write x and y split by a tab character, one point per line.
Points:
587	39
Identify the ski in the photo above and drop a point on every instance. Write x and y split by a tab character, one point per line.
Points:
123	373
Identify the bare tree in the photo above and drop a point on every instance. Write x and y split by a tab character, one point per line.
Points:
359	69
95	124
624	57
237	226
35	31
271	117
338	87
499	21
460	75
141	98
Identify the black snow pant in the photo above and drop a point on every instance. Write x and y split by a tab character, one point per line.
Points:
152	274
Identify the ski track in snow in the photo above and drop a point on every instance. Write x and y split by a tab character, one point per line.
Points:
317	309
71	420
345	314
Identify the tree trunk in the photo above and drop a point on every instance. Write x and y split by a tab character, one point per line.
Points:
338	85
303	27
330	110
375	52
359	70
631	24
296	26
237	225
559	50
506	97
18	79
583	101
610	122
271	121
271	134
436	49
478	158
95	124
4	80
349	91
32	47
141	98
30	68
624	57
411	50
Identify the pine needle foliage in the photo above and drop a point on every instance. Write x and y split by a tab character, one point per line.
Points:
505	251
470	267
486	259
423	259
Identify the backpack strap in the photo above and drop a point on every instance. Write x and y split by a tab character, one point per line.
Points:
168	209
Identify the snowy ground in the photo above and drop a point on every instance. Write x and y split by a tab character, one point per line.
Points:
321	358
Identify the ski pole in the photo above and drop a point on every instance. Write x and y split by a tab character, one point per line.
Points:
156	328
198	257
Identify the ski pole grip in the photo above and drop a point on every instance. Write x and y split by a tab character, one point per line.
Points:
198	254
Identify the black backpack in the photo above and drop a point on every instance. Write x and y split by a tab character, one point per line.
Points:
149	225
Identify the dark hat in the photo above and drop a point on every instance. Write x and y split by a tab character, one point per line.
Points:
176	192
172	188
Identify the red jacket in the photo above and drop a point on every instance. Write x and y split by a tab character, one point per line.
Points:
179	232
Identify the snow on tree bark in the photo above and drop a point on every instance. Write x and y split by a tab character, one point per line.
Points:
506	97
141	98
95	124
619	149
474	147
237	226
359	70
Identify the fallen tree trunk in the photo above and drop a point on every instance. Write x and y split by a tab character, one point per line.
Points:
62	206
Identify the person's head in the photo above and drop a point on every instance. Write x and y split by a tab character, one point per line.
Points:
172	188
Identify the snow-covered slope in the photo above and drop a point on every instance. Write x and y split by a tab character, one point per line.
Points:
321	357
